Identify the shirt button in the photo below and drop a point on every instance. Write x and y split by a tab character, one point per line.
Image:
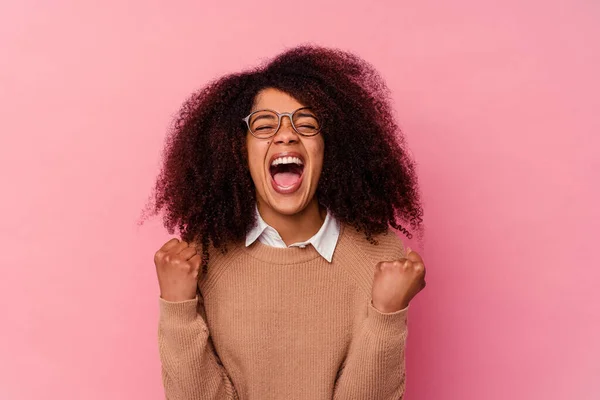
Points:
302	246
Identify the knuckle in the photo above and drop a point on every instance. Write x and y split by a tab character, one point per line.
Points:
382	267
183	266
419	267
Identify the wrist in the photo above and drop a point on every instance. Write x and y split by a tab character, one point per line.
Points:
176	297
174	314
392	325
391	308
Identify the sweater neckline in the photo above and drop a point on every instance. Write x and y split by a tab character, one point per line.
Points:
286	255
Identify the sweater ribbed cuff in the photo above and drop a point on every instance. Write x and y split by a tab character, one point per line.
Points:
182	312
385	324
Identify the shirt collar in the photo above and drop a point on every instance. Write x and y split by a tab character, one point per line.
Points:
257	229
324	241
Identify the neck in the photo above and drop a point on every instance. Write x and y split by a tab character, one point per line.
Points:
298	227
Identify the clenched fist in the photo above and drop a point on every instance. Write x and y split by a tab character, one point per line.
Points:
177	265
396	282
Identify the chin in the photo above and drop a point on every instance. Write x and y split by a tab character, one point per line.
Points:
287	204
287	209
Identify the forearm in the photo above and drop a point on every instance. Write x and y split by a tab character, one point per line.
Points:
190	367
375	365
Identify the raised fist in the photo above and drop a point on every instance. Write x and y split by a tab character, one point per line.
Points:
177	265
395	283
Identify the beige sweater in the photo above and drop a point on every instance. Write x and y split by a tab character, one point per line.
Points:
283	323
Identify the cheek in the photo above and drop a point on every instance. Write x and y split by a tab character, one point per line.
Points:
256	153
318	153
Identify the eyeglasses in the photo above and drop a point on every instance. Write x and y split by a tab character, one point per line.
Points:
264	124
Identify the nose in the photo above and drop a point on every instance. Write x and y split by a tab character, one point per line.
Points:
286	132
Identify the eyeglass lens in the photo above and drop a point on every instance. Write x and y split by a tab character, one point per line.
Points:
264	123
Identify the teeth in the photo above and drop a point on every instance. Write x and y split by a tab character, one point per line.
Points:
287	160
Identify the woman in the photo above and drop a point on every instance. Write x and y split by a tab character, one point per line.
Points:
288	282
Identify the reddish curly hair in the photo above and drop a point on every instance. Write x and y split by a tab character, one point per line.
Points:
368	179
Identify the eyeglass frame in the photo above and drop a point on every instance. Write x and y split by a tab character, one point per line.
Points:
279	115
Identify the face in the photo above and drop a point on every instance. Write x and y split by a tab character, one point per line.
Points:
286	187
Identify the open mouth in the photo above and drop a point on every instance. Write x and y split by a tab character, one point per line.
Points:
286	174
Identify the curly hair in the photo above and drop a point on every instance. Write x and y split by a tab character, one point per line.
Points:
368	180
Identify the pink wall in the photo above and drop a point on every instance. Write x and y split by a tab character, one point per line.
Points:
500	106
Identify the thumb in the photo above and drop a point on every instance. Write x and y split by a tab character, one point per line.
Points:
408	250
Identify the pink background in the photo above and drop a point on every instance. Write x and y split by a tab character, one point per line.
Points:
499	102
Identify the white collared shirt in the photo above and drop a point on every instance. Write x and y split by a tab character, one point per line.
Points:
324	241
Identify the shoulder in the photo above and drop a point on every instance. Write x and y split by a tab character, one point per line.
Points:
219	260
388	245
358	256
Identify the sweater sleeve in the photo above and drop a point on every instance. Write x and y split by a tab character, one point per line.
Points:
190	367
375	364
